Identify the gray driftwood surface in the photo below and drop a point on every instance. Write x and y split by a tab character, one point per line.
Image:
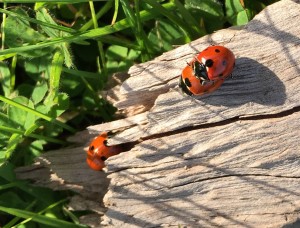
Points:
229	159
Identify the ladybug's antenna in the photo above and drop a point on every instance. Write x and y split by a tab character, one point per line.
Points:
196	59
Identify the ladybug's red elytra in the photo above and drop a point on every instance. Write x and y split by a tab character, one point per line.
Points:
99	151
207	71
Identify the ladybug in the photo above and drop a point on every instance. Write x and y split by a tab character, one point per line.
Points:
207	71
99	151
95	163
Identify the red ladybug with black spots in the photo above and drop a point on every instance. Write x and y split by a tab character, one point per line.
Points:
99	151
207	71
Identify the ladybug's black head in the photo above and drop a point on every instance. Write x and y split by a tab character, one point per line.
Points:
200	71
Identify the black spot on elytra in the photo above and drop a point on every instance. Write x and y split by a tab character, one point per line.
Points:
187	82
183	87
220	75
103	158
91	148
217	50
224	62
209	63
105	143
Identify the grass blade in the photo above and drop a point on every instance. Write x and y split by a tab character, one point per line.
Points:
115	12
91	34
101	12
40	218
173	17
39	114
32	135
38	22
43	211
50	1
190	19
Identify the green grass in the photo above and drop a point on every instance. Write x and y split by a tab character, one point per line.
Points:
55	59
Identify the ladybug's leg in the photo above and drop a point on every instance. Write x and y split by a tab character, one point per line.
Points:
206	82
231	75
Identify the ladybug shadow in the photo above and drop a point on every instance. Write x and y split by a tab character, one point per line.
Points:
251	82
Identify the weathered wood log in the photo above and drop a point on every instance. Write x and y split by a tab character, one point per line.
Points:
228	159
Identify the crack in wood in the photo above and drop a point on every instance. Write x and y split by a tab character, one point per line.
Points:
220	123
236	175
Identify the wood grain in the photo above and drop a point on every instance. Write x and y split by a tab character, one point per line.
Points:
239	174
228	159
265	79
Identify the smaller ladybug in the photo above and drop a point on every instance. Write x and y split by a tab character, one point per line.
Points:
95	163
207	71
99	151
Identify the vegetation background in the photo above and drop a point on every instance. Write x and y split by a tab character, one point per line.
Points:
56	57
